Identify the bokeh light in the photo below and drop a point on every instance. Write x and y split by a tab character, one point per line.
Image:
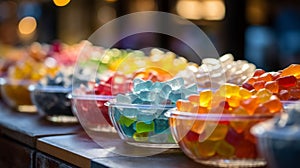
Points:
27	25
190	9
61	2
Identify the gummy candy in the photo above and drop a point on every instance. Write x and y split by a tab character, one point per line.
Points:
207	148
214	72
146	105
205	98
225	149
287	81
144	127
228	137
293	69
272	86
283	83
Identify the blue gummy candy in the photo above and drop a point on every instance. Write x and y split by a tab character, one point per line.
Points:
144	86
174	96
129	131
176	83
165	91
122	99
161	125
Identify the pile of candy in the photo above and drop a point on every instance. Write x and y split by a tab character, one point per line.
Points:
50	96
231	137
214	72
285	83
140	113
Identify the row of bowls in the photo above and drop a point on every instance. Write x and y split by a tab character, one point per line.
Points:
167	130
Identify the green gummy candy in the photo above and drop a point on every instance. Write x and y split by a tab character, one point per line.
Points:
126	121
143	127
141	137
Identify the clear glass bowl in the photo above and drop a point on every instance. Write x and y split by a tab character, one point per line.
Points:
53	103
279	138
222	140
142	125
91	112
16	95
290	104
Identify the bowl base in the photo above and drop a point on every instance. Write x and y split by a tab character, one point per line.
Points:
62	119
234	162
101	129
153	145
26	109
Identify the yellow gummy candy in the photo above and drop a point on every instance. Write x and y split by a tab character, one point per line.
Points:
205	98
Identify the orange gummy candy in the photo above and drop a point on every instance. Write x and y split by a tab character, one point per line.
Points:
272	86
234	101
194	99
262	109
184	105
274	104
293	69
266	77
259	85
250	104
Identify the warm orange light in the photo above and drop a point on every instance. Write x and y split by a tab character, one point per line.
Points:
111	0
27	25
190	9
61	2
214	10
142	5
201	9
106	13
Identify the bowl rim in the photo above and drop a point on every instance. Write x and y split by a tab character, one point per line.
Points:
90	97
49	88
174	113
112	103
9	80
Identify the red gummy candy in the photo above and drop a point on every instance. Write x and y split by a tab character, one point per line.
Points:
258	72
192	136
247	86
287	81
284	94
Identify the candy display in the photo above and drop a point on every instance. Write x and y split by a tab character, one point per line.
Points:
24	73
88	101
115	71
50	97
285	84
139	117
214	72
278	138
213	128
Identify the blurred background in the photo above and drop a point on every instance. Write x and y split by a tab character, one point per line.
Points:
264	32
